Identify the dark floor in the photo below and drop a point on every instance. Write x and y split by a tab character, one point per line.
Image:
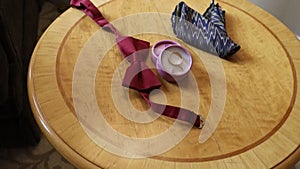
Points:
42	156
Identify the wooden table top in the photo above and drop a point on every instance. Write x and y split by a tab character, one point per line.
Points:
250	101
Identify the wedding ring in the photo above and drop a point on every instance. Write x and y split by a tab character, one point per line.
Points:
175	58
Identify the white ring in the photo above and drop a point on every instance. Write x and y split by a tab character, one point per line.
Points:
175	59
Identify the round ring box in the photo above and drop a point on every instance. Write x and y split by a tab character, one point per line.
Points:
174	63
159	46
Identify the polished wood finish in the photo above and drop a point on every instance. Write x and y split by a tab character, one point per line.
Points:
260	122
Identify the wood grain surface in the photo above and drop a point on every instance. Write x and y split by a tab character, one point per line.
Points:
259	122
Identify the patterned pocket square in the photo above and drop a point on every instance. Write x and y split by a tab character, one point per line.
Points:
206	32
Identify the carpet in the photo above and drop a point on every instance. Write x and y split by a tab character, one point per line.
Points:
42	156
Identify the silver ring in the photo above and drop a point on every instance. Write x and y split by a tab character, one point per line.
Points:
175	58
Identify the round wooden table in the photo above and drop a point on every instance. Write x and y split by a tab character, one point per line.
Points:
250	101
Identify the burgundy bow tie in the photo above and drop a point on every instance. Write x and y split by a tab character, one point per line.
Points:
138	76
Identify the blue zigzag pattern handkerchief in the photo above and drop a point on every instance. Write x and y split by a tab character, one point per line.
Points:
206	32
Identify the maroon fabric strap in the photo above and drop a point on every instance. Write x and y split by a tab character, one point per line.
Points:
138	76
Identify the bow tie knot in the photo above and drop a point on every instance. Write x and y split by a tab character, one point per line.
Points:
138	56
137	76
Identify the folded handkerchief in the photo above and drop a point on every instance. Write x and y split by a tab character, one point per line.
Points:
216	15
206	32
